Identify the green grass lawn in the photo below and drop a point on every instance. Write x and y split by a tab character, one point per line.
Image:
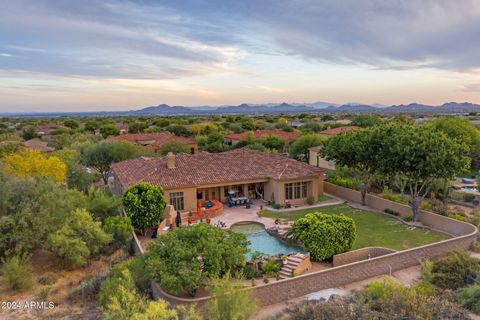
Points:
373	229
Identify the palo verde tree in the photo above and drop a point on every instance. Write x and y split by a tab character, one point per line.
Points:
144	204
355	150
420	155
101	156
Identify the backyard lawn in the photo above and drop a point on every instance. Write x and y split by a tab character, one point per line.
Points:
373	229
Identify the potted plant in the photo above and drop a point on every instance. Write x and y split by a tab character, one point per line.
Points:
285	260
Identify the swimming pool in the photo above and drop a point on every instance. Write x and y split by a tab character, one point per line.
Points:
261	240
468	188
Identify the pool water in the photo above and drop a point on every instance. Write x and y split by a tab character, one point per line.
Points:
261	240
469	188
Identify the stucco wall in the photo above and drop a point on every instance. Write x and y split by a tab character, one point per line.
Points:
315	160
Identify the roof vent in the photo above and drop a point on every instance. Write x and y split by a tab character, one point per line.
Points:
170	160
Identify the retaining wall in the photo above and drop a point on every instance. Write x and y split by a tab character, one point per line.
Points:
359	255
286	289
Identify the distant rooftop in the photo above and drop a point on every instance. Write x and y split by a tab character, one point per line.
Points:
339	130
284	135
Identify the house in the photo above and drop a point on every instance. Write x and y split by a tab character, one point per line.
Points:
156	140
315	159
188	178
287	137
39	145
122	128
45	131
338	130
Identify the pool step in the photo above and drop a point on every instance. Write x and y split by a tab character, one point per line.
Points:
292	263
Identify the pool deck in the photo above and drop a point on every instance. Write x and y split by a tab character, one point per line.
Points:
241	214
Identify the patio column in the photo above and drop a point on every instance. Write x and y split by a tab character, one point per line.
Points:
245	190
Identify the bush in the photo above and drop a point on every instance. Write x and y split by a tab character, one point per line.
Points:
271	267
468	197
407	218
343	182
101	204
457	217
475	247
144	204
469	298
120	228
392	212
310	200
455	270
389	195
16	271
325	235
457	195
277	206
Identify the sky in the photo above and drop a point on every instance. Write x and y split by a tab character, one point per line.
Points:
94	55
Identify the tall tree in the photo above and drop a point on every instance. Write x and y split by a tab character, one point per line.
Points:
300	146
355	150
419	154
102	155
175	147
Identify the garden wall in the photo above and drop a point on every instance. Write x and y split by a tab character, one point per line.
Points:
359	255
286	289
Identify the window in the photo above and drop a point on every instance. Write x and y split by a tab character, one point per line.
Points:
297	190
176	200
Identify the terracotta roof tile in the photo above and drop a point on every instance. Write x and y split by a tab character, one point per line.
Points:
335	131
37	144
209	168
284	135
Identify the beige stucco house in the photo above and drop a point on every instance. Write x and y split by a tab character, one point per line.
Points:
188	178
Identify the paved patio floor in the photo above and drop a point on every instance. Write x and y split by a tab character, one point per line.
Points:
241	214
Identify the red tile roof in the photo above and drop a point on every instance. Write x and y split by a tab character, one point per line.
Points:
47	129
155	139
284	135
39	145
335	131
211	168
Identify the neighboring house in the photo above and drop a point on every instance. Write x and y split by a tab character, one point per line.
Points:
341	121
287	137
45	131
156	140
39	145
315	159
122	128
188	178
338	130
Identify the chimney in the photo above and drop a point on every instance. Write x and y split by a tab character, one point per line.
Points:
170	160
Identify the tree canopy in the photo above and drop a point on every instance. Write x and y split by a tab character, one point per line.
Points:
144	204
185	258
174	147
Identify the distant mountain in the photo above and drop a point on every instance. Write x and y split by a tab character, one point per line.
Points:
276	108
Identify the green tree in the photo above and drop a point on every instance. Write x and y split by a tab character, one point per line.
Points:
325	235
272	143
17	272
366	120
78	238
356	150
229	300
101	204
120	228
109	130
184	258
71	123
102	155
419	154
300	146
179	130
144	204
175	147
137	127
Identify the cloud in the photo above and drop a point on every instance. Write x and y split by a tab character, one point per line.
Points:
472	87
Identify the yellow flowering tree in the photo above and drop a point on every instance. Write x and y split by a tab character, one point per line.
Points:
32	163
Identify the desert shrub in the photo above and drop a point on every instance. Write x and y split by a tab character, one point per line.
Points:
455	270
457	217
271	267
173	259
475	202
120	228
16	271
310	200
343	182
44	292
277	206
407	218
48	278
456	195
439	207
475	247
249	272
79	238
392	212
468	197
325	235
389	195
101	204
469	298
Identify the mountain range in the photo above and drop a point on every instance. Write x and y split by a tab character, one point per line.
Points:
276	108
320	107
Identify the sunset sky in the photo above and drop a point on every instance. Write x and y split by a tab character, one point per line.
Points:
119	55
